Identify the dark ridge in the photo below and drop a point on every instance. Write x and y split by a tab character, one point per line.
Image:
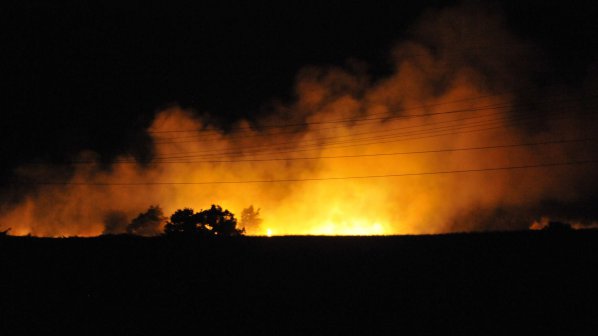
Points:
483	283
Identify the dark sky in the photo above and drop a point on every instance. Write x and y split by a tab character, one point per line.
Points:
81	76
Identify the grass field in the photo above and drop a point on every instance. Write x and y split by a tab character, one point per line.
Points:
483	283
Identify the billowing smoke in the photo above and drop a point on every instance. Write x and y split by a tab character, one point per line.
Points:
149	223
463	96
115	222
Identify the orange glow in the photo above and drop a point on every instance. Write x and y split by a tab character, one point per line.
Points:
338	112
383	206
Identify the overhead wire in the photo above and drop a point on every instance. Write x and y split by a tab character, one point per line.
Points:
335	178
317	141
419	107
487	108
374	140
442	150
385	115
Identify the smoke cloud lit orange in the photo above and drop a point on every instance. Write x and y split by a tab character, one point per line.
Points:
454	85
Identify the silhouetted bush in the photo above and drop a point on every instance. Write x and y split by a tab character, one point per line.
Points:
184	221
210	222
555	226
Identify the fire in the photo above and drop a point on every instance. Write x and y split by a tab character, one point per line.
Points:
299	164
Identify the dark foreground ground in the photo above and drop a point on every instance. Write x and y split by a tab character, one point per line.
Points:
494	283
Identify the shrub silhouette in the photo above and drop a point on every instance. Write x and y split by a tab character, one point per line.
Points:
210	222
555	226
184	221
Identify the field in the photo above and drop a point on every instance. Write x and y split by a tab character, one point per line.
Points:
486	283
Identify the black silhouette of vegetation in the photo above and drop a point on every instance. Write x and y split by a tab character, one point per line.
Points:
5	232
211	222
555	226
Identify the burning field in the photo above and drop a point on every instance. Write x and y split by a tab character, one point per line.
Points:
460	136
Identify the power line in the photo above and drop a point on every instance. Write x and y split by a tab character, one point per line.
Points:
373	154
392	138
411	116
425	134
492	109
316	143
386	117
544	165
212	158
209	155
417	129
336	140
379	135
420	107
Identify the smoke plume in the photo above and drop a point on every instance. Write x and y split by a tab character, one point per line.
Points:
462	95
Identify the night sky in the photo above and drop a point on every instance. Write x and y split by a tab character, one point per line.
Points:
79	75
82	76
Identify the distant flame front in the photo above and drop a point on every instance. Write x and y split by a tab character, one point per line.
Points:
294	162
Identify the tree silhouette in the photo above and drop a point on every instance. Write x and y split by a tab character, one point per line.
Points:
184	221
220	222
213	221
